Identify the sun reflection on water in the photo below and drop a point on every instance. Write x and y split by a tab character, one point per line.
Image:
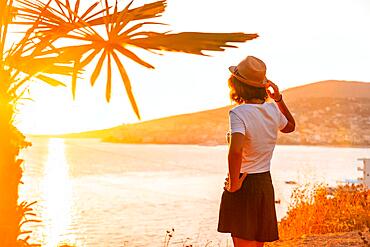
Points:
57	193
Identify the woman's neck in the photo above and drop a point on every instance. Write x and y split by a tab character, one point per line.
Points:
254	101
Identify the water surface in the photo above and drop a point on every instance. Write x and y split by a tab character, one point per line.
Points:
104	194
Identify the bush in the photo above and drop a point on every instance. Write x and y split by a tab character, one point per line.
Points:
322	209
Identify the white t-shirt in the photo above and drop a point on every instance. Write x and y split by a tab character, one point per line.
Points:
259	123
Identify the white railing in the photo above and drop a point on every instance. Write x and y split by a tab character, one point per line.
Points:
365	179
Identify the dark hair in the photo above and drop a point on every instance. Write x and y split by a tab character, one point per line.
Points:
241	92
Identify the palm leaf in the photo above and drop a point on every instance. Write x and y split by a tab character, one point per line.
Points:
133	56
54	23
109	79
127	83
98	67
66	21
89	58
89	10
74	77
6	15
147	11
188	42
40	66
50	81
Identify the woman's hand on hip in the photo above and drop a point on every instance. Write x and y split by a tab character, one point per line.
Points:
234	187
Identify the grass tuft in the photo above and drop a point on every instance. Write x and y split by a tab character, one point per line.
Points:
322	209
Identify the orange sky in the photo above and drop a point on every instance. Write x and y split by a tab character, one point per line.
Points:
300	41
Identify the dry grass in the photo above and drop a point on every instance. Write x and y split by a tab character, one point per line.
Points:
321	209
339	239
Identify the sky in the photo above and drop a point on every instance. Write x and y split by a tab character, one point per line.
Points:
301	42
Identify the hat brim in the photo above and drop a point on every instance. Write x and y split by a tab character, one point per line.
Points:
233	70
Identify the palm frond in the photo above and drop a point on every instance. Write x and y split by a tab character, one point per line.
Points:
147	11
50	81
127	83
65	20
109	79
35	65
40	67
76	67
6	16
133	56
54	22
188	42
98	68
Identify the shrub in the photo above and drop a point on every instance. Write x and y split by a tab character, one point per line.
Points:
322	209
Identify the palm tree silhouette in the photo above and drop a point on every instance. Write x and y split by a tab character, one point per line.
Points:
61	40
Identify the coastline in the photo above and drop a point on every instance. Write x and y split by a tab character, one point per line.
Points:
104	140
221	144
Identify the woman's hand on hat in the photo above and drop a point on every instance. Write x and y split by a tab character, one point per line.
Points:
234	187
275	95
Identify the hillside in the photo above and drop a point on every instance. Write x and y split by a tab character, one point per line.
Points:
329	89
174	129
326	113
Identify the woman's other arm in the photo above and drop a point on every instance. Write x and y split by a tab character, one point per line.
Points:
236	143
235	160
276	95
290	127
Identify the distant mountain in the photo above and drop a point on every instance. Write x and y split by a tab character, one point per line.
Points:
326	113
205	127
329	89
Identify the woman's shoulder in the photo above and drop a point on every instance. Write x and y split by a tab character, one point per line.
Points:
239	108
271	104
246	107
253	110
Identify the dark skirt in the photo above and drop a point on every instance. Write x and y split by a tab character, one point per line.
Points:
249	213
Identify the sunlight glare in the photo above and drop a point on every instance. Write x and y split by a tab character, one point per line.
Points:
57	192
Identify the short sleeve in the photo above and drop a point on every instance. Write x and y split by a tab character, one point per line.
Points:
236	124
283	121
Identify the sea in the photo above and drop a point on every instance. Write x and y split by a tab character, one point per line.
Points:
92	193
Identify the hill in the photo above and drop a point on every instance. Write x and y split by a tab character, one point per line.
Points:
329	89
326	113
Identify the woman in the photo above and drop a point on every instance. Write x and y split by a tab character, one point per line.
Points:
247	208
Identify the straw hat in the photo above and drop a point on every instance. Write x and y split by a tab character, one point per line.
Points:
251	71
